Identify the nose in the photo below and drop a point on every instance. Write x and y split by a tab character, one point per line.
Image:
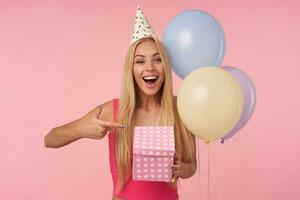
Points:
150	66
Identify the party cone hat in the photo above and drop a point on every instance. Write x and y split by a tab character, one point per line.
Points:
142	27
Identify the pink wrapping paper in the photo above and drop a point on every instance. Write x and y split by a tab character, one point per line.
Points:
153	153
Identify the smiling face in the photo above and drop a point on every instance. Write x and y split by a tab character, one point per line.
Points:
148	69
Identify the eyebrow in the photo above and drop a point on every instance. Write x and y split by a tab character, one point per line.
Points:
144	56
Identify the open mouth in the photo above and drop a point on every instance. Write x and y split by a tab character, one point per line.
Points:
150	79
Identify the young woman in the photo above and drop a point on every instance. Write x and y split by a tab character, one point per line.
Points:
146	100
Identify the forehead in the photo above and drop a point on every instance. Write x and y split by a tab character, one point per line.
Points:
147	47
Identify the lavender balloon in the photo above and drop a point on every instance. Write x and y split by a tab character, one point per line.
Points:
249	93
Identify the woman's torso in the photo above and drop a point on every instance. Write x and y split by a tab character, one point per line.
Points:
138	190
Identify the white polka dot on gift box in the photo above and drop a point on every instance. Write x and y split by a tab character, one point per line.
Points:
155	138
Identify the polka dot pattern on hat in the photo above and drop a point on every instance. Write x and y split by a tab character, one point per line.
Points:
142	27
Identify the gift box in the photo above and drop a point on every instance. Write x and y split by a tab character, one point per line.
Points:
153	153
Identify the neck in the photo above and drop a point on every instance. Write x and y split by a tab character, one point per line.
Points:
148	102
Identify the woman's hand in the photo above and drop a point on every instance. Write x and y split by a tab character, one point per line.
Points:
177	167
182	169
91	126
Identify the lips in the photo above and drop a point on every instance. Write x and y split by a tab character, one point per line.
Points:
150	80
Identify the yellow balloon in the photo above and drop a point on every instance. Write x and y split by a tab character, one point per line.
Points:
210	102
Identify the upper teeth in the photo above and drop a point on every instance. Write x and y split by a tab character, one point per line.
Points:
150	77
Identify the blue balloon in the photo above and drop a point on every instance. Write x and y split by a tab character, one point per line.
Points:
194	39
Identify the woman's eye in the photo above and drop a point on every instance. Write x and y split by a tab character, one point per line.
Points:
158	60
139	62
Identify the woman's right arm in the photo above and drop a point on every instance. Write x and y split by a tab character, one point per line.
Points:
95	125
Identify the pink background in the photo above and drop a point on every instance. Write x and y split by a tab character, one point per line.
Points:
59	59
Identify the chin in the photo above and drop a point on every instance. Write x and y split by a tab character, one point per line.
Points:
150	93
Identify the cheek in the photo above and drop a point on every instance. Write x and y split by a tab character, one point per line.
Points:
162	72
136	73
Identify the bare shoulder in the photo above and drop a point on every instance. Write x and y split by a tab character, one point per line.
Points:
107	110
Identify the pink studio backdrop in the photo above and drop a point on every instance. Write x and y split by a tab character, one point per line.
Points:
59	59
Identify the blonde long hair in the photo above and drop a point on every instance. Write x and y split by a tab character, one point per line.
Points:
168	112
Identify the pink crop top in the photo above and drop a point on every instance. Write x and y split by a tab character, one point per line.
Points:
136	190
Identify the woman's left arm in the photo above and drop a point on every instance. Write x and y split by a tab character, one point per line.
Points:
188	169
182	168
